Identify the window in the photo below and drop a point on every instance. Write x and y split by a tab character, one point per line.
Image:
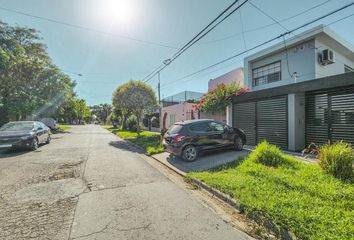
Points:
267	74
199	127
172	119
216	127
348	69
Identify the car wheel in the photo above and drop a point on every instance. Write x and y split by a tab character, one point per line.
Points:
238	144
190	153
35	144
48	139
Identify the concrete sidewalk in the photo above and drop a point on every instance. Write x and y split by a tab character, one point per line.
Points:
205	162
215	159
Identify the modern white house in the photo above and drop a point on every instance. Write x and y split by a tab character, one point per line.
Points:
301	91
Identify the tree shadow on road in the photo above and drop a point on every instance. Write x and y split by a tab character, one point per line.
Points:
125	146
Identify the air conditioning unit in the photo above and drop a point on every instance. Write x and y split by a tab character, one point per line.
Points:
327	57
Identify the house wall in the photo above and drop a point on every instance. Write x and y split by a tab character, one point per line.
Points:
219	116
340	59
232	76
300	59
176	113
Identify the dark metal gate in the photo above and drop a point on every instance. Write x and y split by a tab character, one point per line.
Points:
244	118
265	119
272	121
330	116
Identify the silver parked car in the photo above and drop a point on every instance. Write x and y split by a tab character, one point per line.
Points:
50	122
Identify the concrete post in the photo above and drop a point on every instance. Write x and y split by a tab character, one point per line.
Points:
229	115
296	122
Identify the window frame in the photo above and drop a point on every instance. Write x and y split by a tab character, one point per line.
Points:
263	66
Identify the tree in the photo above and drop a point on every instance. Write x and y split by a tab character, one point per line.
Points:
81	110
31	85
102	111
134	97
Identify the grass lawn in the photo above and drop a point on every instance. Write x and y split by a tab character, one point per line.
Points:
296	196
64	127
150	141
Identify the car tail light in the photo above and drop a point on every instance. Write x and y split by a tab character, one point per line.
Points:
178	138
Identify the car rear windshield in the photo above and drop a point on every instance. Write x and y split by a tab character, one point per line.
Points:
17	126
174	129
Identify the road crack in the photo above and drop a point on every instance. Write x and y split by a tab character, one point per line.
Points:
93	233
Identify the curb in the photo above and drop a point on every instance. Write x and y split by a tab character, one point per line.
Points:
134	145
182	174
222	196
258	217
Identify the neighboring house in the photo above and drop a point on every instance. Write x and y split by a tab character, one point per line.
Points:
300	92
179	107
236	76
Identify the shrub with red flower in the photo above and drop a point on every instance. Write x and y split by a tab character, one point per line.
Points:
219	98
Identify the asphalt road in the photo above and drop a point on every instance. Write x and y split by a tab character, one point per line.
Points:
88	184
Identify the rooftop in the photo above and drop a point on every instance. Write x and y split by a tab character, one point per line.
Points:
320	30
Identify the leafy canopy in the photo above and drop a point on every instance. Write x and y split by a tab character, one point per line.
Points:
134	97
31	85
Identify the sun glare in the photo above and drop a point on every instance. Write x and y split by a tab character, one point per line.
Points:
119	10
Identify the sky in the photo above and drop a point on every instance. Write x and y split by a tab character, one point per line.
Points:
120	40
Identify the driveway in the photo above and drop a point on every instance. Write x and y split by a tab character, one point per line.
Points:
205	162
89	184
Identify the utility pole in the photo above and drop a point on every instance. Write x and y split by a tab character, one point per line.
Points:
159	94
158	87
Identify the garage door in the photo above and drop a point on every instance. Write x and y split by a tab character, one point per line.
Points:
244	118
272	121
263	120
330	116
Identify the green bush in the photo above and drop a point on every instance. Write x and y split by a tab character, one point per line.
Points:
337	159
132	124
268	154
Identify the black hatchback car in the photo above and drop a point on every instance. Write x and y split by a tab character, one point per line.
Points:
24	134
188	139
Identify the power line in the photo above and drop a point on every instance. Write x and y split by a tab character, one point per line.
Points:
188	44
207	73
159	68
285	28
87	28
196	38
268	41
243	31
267	25
266	14
285	46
